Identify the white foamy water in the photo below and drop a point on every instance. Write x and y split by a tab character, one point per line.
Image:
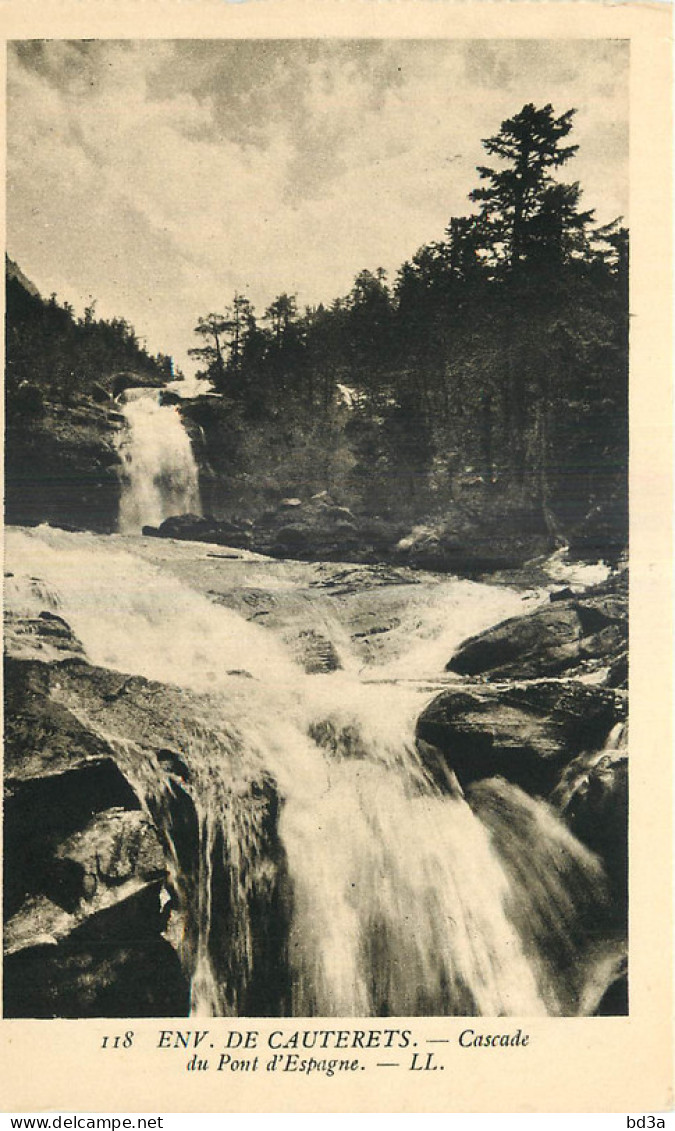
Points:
581	574
160	476
383	895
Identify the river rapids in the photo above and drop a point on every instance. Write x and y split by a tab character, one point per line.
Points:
326	873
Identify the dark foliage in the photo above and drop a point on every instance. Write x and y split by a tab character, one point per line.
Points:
497	358
52	356
489	377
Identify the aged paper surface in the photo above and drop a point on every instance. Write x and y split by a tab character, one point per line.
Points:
569	1063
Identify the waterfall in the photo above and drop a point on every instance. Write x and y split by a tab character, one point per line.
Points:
160	475
319	869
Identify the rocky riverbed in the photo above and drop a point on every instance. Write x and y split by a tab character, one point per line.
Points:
104	820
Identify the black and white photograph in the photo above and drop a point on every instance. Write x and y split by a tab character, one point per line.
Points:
317	539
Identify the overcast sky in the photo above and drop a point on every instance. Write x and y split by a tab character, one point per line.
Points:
161	176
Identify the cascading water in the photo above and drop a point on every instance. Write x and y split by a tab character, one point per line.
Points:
380	894
160	476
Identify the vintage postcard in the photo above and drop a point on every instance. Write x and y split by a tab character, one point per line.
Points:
337	454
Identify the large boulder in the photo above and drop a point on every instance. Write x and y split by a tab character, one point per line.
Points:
115	848
587	630
201	528
86	882
103	864
525	733
314	530
44	637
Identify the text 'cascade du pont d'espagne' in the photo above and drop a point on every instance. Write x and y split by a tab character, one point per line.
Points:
247	1051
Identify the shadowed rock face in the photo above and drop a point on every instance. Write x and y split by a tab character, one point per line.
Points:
525	733
553	640
98	813
47	810
559	739
318	529
83	977
198	528
62	468
86	883
117	807
592	796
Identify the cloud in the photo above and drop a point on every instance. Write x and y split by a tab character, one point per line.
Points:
160	176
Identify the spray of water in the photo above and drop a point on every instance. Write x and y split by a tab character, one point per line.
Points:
370	891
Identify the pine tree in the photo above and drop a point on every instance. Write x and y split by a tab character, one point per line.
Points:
212	330
526	215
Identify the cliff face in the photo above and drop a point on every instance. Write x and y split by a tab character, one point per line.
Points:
62	467
62	420
15	274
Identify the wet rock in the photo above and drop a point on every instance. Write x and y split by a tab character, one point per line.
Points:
96	978
341	740
84	884
87	889
40	812
99	393
190	527
354	579
314	652
561	594
545	642
321	530
617	676
62	468
614	1002
525	733
318	529
168	397
592	796
592	628
81	858
43	738
46	636
39	921
174	764
141	913
115	846
436	765
200	528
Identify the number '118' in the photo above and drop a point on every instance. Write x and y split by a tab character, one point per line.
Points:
124	1041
